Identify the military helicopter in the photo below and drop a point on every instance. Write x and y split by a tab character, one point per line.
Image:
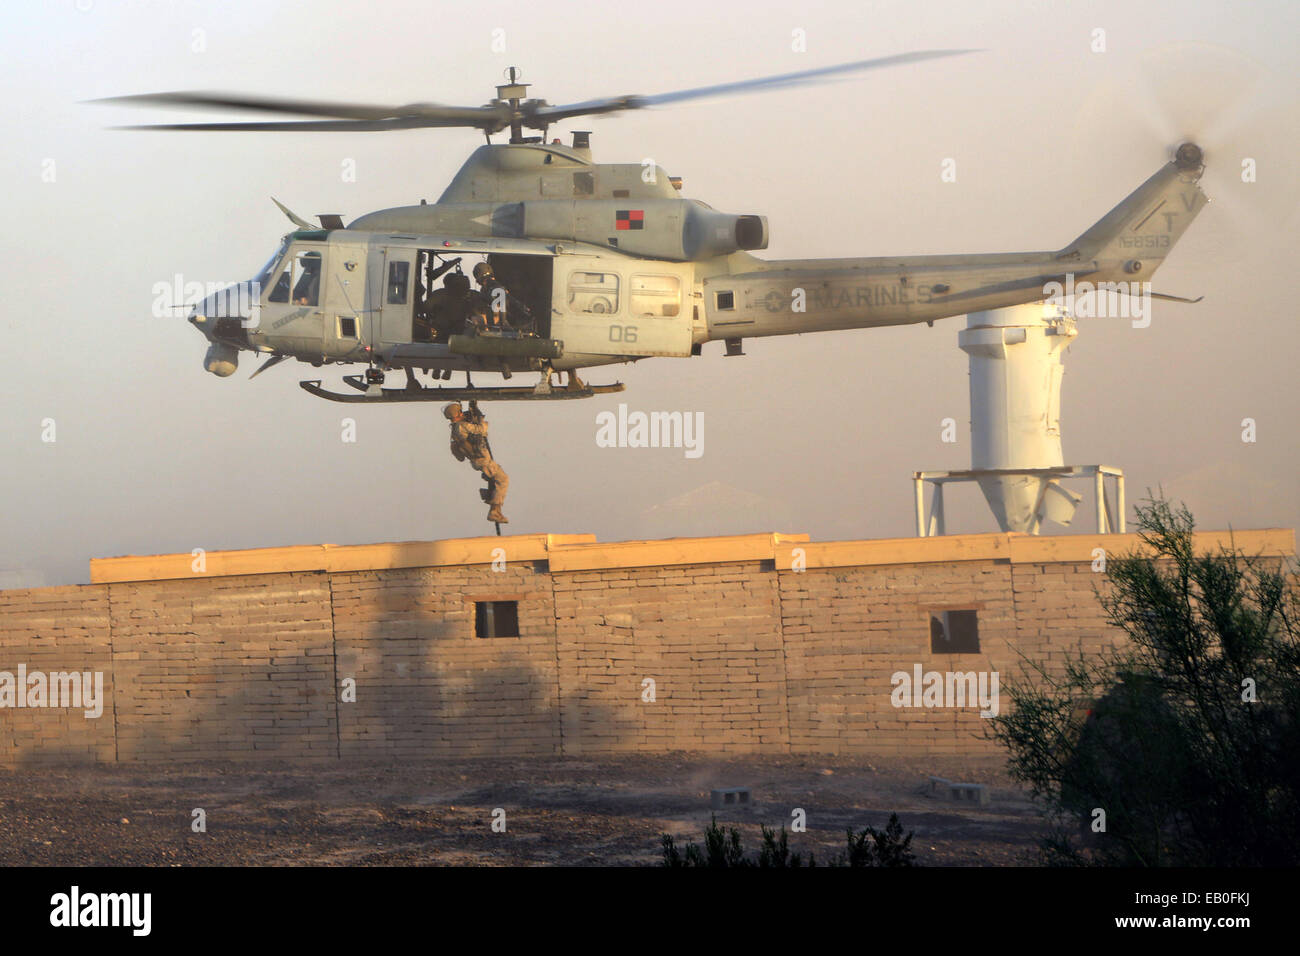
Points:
593	264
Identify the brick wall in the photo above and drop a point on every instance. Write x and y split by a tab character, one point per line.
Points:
746	654
230	668
707	635
1058	612
425	685
848	630
56	629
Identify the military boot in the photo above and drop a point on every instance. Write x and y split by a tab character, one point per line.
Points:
496	515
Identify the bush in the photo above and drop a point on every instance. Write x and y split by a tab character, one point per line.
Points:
1182	747
889	848
722	849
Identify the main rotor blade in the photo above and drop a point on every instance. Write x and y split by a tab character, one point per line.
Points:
544	115
203	99
364	117
343	117
489	123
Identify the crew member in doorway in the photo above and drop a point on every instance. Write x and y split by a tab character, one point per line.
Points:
446	308
504	311
469	441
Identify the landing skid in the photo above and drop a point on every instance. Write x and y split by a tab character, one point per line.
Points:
377	395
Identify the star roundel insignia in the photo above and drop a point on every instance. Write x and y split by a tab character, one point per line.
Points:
773	300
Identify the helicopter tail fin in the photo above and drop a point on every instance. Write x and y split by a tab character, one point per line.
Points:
1145	226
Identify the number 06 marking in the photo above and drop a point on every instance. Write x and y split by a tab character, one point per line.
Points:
619	333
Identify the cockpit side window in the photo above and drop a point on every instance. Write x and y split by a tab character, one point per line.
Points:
306	275
301	273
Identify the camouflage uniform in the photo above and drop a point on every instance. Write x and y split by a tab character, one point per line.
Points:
469	441
444	310
444	314
497	308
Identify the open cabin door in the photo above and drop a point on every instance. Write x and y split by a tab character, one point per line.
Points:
621	307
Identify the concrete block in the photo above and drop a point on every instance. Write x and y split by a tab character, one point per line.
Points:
961	792
731	798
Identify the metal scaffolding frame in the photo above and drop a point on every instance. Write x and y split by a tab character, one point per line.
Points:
1109	520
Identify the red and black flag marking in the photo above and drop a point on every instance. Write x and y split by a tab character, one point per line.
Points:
629	219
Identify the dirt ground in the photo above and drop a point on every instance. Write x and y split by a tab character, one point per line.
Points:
601	811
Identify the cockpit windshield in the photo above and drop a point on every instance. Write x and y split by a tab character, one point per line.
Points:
263	277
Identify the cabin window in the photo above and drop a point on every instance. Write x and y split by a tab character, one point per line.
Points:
954	632
399	280
656	295
595	292
726	301
347	327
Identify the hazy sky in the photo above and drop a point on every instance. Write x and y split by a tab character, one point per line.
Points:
815	433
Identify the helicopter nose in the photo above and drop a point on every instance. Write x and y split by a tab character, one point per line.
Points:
205	325
235	304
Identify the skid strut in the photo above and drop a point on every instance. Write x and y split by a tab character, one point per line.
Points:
377	395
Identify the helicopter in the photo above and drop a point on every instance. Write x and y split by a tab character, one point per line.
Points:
592	264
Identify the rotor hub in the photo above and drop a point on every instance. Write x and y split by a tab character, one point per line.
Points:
1189	156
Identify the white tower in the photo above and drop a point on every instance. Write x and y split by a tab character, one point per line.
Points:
1015	410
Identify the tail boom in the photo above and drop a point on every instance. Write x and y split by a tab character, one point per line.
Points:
752	297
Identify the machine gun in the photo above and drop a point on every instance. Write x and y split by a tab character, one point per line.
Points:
431	275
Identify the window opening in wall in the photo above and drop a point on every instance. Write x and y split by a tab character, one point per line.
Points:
496	618
954	632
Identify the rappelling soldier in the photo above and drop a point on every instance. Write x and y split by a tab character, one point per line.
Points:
469	431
